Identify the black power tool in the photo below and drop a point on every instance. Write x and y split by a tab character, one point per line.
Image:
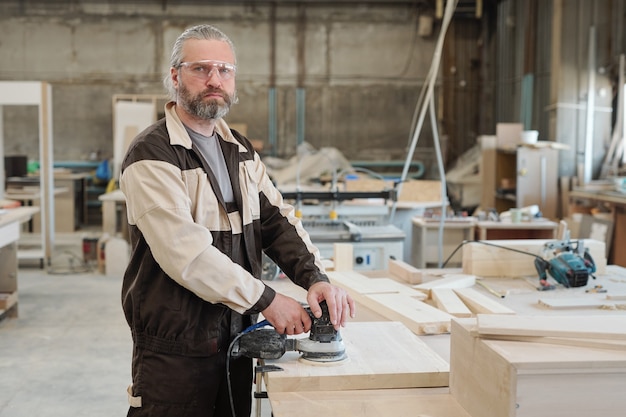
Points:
324	343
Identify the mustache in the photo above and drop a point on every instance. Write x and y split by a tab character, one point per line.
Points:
214	91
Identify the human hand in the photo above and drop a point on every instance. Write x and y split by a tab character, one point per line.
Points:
287	315
339	302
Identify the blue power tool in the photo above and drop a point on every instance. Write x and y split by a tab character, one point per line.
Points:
570	266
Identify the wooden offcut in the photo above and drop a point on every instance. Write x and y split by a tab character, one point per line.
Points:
480	303
358	285
446	300
380	355
404	271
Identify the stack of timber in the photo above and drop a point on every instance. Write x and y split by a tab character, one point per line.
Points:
425	308
503	258
545	366
381	355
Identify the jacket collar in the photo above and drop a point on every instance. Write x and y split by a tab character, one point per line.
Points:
178	133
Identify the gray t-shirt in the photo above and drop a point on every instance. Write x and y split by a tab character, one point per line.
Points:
212	152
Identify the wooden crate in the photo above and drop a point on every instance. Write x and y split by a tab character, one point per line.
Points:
501	378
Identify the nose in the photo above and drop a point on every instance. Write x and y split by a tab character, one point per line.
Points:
213	77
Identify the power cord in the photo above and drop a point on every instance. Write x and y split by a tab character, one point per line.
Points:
228	359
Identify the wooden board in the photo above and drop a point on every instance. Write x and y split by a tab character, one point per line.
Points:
448	281
479	303
573	302
609	326
492	378
486	260
380	355
418	316
565	341
446	300
404	271
358	284
366	403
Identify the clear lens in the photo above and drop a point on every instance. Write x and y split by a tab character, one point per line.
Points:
203	69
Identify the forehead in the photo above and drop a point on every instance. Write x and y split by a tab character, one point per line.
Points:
197	50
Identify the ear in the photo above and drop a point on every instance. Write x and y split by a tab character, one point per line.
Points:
174	76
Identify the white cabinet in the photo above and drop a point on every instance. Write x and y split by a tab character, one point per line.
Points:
521	177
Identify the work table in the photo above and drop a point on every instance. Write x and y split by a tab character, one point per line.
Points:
520	294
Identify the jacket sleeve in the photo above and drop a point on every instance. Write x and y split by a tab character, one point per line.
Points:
285	240
158	204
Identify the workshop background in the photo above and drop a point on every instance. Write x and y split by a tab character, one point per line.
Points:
339	73
492	284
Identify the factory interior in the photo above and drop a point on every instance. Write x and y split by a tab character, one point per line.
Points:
459	164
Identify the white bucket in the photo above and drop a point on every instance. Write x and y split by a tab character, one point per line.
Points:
529	136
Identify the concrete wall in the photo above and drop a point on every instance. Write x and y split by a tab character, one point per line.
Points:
362	69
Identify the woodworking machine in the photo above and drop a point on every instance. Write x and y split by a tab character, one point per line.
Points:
324	343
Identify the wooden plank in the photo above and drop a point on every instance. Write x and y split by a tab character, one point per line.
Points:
502	258
358	284
564	341
446	300
406	272
418	316
343	256
573	302
366	403
448	281
480	303
609	326
380	355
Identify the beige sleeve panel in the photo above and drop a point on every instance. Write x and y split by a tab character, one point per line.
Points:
286	210
158	205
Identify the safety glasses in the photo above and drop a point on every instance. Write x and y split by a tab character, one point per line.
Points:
202	70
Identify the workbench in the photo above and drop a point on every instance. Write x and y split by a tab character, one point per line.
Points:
534	229
10	225
518	294
614	203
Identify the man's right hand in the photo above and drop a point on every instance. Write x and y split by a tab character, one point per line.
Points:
287	315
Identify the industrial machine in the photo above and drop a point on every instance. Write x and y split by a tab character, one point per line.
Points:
324	343
333	217
569	265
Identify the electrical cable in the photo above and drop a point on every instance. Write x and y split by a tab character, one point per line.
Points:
442	175
482	242
425	96
228	358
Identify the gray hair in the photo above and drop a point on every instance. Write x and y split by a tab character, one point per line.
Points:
200	32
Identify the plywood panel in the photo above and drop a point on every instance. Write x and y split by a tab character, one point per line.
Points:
366	403
380	355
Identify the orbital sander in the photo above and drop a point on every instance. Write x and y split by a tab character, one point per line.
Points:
324	343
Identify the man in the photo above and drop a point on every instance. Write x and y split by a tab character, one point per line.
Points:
201	209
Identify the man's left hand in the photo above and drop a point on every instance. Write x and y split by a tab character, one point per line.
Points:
339	302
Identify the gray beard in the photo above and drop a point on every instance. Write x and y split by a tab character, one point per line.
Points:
196	106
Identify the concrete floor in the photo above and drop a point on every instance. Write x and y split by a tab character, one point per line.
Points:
69	350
